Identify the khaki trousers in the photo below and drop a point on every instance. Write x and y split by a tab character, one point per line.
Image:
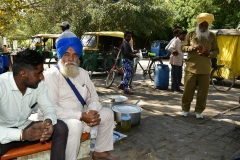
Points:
190	82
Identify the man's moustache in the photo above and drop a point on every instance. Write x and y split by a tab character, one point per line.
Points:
67	63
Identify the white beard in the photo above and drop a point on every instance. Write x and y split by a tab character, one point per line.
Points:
201	34
68	70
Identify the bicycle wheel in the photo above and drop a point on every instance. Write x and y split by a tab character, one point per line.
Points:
110	78
87	65
152	67
52	60
222	78
108	63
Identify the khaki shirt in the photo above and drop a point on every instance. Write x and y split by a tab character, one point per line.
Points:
195	63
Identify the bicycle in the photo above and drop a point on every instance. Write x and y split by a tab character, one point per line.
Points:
153	61
115	70
222	78
103	63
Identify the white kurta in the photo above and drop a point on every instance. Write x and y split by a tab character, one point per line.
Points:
176	46
69	109
66	34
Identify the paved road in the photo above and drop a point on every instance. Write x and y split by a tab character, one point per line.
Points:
164	134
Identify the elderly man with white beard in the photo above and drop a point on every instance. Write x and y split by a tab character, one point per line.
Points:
201	46
78	106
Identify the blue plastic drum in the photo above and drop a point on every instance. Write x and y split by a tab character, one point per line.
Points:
1	65
161	76
5	60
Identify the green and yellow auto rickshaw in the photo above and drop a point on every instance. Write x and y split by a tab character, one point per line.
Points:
45	44
98	53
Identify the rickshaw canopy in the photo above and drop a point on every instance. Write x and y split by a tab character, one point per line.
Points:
108	33
101	40
229	49
46	35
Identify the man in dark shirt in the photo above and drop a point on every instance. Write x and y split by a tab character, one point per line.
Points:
128	56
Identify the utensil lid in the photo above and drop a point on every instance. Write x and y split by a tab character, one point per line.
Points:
126	108
118	98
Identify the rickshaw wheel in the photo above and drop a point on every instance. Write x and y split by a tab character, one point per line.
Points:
87	65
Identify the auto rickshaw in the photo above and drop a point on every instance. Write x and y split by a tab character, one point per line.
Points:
45	44
158	47
98	53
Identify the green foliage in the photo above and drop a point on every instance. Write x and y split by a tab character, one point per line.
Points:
187	11
144	18
148	19
226	12
11	11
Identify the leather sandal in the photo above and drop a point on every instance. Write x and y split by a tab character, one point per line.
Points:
128	92
108	156
121	87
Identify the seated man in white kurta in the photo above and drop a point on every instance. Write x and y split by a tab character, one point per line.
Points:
79	118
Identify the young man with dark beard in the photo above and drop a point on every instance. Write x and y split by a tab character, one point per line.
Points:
20	91
78	116
201	46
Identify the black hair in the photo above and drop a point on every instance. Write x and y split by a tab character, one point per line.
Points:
182	32
127	32
27	59
4	45
65	28
176	31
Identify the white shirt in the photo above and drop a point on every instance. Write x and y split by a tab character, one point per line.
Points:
15	108
172	40
66	34
64	99
176	46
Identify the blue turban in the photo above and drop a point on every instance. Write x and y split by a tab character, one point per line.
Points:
64	43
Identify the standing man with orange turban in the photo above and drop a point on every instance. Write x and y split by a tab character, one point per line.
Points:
201	46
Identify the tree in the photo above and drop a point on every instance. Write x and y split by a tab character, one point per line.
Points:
145	18
13	10
227	15
226	12
185	12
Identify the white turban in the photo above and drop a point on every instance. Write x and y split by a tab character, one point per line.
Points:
205	17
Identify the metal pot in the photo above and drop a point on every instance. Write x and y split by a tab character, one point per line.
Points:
112	100
133	111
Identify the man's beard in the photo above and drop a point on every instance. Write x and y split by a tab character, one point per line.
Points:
69	69
201	34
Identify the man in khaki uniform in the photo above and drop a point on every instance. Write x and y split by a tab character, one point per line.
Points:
201	46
